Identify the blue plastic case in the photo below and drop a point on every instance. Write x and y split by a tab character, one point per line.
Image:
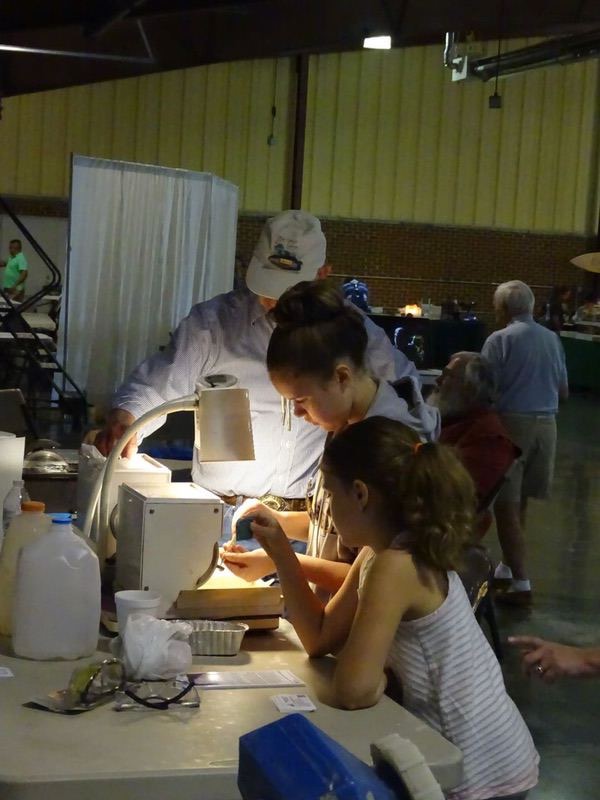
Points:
292	759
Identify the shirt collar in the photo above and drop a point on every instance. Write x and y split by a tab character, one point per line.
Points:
257	312
522	318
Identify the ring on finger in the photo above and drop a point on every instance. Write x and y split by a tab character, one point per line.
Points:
540	669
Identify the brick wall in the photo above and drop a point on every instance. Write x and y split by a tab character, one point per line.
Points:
403	262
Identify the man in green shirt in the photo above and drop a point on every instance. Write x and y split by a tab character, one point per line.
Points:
15	273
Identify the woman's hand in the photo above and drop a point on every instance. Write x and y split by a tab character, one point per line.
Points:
248	565
550	660
232	547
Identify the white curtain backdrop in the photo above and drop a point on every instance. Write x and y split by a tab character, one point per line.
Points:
146	243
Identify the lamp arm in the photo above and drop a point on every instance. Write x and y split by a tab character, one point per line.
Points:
100	492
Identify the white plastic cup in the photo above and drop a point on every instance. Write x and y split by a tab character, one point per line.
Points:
135	601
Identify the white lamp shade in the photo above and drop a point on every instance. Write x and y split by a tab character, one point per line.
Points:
223	425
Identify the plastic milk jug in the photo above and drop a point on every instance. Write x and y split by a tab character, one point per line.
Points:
24	528
56	610
12	503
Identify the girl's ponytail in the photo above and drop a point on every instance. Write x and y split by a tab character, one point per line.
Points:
426	494
437	499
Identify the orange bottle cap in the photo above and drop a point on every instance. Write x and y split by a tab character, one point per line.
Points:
33	505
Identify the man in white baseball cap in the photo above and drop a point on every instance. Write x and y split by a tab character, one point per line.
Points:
291	248
230	334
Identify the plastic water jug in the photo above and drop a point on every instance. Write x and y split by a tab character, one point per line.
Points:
24	528
56	610
12	504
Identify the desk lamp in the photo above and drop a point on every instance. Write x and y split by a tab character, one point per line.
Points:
223	432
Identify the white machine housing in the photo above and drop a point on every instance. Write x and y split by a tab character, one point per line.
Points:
168	538
140	470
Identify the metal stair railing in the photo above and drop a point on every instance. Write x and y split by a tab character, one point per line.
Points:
55	283
30	345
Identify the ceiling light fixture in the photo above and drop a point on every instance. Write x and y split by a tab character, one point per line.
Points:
377	42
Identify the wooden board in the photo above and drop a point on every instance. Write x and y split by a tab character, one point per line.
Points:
260	623
229	603
225	596
263	623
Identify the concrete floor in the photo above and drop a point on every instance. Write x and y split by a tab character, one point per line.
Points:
564	556
563	538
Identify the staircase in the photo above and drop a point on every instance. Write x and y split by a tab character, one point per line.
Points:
28	359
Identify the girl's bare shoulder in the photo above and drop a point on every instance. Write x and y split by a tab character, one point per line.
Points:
392	564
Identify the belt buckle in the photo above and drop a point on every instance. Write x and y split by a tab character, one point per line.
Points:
274	502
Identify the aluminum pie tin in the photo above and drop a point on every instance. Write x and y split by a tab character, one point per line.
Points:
215	638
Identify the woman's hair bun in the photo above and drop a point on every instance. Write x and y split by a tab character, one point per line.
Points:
310	303
314	329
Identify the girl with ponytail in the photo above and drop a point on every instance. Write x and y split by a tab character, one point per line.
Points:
409	505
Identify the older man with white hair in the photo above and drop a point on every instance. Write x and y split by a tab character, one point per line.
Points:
531	378
464	396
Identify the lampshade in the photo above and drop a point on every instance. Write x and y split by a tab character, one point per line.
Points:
223	425
588	261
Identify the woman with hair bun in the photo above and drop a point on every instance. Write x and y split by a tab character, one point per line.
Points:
316	361
409	506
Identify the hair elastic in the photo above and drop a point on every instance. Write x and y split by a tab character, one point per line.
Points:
417	447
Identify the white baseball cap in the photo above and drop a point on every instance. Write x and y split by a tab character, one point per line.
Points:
291	248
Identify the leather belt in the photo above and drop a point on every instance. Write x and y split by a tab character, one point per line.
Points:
271	501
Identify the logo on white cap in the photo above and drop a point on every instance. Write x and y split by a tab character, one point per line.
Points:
283	259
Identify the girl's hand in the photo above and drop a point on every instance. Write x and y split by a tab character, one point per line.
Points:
232	547
251	508
249	566
269	533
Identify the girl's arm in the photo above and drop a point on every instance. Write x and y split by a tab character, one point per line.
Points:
328	575
322	629
255	564
386	595
295	524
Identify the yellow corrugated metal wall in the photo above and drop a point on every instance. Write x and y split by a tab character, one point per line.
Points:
215	118
391	137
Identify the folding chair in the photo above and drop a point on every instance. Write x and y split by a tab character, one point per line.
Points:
476	574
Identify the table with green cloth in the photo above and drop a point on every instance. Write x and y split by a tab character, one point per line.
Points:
582	352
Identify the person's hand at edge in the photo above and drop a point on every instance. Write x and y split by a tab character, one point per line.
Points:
551	660
117	422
